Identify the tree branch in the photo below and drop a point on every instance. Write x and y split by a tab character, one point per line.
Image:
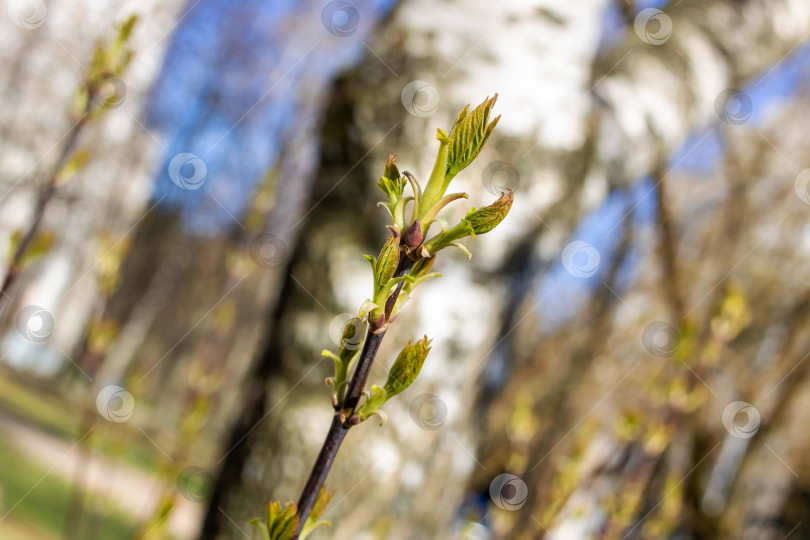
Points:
44	197
342	422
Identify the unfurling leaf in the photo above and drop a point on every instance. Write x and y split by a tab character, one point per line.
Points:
109	63
393	184
373	402
457	150
487	218
401	375
282	523
314	520
406	367
126	29
385	266
475	222
367	307
469	134
350	344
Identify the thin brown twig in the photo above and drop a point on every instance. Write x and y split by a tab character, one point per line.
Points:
342	420
44	197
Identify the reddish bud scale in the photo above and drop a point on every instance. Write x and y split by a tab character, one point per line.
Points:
413	236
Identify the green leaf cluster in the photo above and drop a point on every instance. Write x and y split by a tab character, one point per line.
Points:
405	261
457	150
283	521
110	61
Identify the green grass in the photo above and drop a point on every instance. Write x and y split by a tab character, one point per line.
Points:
46	410
53	414
32	499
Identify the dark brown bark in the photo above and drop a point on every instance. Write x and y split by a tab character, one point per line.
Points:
342	421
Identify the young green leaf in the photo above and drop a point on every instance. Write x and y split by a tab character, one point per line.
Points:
109	62
393	184
282	522
350	344
475	222
487	218
469	135
367	307
374	401
406	367
457	150
314	520
126	29
385	266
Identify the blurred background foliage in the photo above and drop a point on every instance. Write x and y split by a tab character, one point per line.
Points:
630	343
